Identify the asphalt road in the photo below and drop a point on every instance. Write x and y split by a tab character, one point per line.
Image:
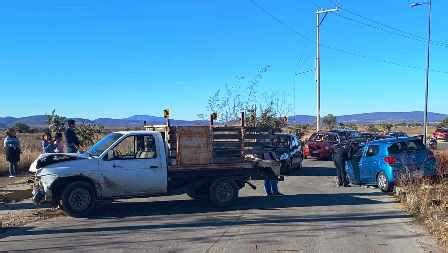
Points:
313	216
442	145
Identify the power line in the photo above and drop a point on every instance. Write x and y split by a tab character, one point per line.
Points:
387	28
280	21
336	49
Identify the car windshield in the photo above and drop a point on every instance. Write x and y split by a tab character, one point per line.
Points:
98	148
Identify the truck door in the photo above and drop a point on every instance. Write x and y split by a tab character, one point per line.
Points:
370	164
135	167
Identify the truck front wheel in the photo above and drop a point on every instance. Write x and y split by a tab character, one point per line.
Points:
223	192
78	199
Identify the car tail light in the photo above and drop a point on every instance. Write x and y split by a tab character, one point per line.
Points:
390	160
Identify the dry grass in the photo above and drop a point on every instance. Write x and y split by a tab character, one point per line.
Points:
427	199
30	151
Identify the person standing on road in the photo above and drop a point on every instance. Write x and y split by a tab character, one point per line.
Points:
11	145
271	187
340	157
271	184
71	139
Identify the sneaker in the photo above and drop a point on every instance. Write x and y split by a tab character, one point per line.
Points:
278	194
11	176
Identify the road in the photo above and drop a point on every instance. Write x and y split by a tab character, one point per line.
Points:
312	216
442	145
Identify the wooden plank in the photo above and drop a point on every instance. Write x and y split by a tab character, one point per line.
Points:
214	166
259	136
193	145
231	128
217	145
227	136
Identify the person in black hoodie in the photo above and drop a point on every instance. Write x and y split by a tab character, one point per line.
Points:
341	155
71	139
11	145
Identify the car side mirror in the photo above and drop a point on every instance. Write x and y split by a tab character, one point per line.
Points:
110	155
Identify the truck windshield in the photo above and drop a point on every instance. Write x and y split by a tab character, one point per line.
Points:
103	144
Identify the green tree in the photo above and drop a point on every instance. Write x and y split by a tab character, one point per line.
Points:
329	121
372	128
386	127
444	123
56	123
22	127
89	133
263	111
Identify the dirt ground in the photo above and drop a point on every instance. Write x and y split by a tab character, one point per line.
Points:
16	207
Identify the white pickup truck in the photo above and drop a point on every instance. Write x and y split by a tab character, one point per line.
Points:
131	164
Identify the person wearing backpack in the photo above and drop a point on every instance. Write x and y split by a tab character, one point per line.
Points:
11	145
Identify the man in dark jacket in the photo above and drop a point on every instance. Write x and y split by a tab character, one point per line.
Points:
71	139
340	157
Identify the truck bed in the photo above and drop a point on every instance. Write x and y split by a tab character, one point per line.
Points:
213	166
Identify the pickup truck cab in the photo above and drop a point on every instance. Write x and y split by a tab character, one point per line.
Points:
134	164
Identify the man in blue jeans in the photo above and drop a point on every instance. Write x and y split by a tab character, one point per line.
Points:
271	187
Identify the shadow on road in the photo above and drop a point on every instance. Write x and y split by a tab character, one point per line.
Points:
314	172
339	220
129	209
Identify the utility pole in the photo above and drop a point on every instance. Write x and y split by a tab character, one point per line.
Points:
427	73
318	24
428	47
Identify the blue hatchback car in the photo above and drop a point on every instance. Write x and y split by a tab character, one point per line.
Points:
380	162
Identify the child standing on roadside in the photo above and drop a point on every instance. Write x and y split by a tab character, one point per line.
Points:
58	144
46	141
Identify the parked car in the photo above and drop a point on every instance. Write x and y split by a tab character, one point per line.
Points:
397	134
380	162
288	148
346	134
441	134
321	145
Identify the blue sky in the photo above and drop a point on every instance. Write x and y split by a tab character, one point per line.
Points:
119	58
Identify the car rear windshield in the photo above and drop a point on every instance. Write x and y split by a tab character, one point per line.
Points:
324	137
406	146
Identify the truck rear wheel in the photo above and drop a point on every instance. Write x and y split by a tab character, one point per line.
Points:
223	192
78	199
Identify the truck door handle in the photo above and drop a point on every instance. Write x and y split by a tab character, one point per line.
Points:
116	166
153	167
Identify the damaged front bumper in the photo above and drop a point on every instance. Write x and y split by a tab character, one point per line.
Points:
42	192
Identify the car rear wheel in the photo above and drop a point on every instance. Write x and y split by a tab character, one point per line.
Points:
383	183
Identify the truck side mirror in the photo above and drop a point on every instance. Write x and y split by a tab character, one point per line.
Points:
110	155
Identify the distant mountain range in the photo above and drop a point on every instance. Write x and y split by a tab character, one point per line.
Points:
138	120
375	117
